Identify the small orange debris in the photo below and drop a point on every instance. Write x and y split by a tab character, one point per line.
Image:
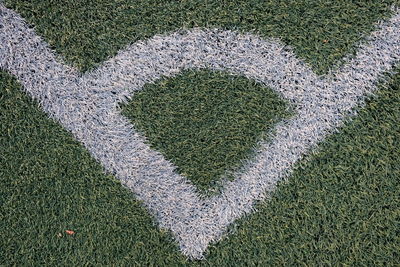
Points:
325	41
70	232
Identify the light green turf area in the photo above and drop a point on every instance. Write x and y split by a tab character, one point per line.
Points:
205	122
341	206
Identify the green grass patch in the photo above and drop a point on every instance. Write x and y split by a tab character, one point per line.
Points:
86	32
205	122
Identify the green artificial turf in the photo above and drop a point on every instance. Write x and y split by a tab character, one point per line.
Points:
86	32
205	122
340	207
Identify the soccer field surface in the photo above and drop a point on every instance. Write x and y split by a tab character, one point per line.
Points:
199	133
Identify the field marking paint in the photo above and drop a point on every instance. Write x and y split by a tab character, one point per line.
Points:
87	105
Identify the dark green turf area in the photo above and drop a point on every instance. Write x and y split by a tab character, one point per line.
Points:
205	122
342	206
86	32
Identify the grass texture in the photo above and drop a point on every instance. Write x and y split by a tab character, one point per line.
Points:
340	206
205	122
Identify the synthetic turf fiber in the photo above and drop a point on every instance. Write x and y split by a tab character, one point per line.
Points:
341	205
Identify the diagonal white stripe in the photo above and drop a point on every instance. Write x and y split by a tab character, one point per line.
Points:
87	106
